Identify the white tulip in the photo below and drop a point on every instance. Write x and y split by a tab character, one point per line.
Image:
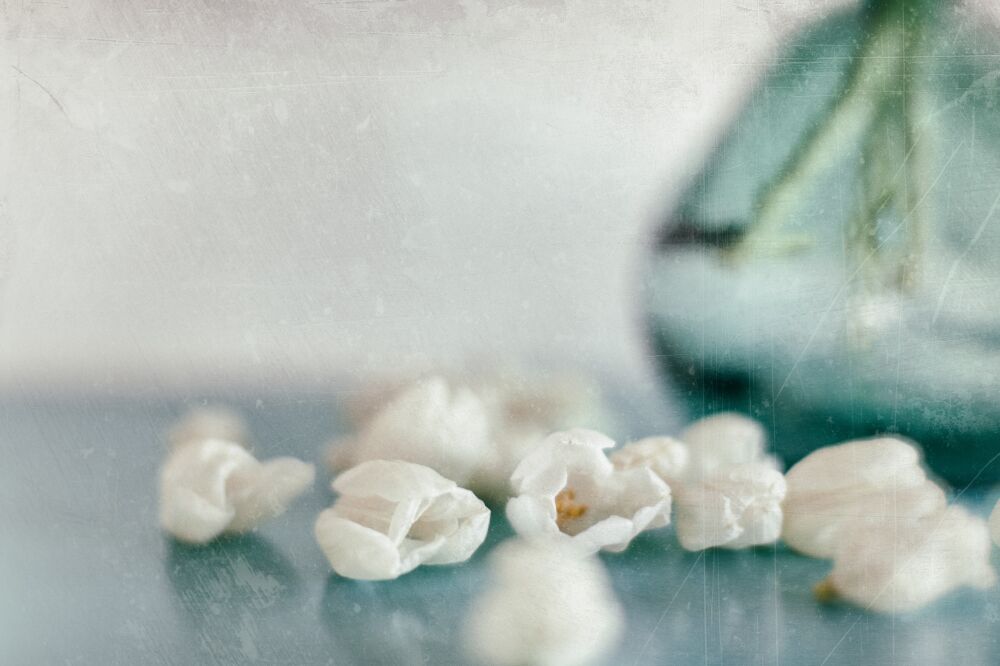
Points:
665	456
212	486
737	507
900	566
430	424
872	479
567	489
391	516
547	605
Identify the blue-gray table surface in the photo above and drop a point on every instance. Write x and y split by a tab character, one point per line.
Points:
86	577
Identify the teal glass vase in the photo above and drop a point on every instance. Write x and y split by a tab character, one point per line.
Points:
834	268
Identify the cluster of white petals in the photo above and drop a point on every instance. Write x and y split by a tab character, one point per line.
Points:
429	423
567	489
212	486
547	605
665	456
736	507
391	516
835	488
474	431
904	566
727	490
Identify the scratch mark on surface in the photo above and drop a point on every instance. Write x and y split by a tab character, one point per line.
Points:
43	88
960	258
857	270
659	621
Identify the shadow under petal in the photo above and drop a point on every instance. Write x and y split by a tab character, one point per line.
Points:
416	619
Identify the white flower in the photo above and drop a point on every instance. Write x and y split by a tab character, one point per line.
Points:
722	440
873	479
547	605
900	566
212	486
430	424
995	523
737	507
209	423
567	489
665	456
392	516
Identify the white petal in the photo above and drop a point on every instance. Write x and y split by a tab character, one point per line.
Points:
602	507
735	508
876	479
212	486
429	424
393	516
531	515
545	469
264	491
356	551
901	566
666	456
723	440
194	505
545	605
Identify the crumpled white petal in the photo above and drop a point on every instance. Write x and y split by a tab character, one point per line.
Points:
212	486
431	424
871	479
900	566
723	440
737	507
209	423
665	456
392	516
568	490
547	605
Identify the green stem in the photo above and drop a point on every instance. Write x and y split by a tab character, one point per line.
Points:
851	115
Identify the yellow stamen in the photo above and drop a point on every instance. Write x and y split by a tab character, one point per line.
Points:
825	592
567	508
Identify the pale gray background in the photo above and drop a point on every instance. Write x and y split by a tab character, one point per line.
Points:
215	193
228	192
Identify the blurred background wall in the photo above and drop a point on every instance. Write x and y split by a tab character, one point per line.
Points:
202	193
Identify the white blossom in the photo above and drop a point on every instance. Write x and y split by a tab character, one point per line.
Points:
736	507
567	489
900	566
722	440
547	605
212	486
392	516
873	479
431	424
665	456
209	423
